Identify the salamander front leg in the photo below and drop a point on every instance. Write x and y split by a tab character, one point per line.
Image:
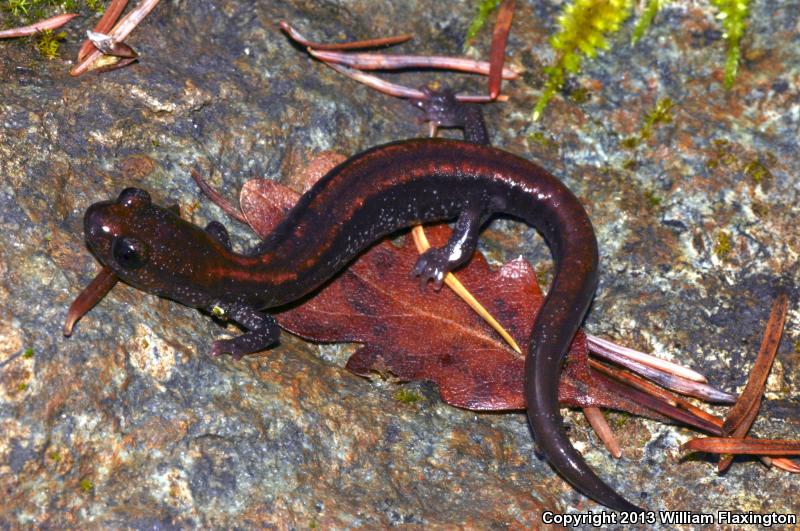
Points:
435	263
263	331
218	231
443	110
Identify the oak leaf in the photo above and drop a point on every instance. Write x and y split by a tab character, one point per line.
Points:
413	334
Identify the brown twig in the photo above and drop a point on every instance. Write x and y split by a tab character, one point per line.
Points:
784	463
104	25
741	416
726	445
377	61
228	207
354	45
46	24
670	381
603	430
600	345
497	53
758	374
121	30
657	405
401	91
653	390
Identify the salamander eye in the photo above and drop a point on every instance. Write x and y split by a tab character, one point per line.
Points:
133	197
129	253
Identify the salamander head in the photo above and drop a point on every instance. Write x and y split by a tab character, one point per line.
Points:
149	247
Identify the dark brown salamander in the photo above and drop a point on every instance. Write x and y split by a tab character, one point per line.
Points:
373	194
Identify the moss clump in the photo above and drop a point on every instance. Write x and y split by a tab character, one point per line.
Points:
660	114
733	14
652	199
485	9
86	485
407	396
724	245
27	353
48	43
580	95
620	419
755	166
96	5
757	171
18	8
646	19
538	137
583	28
24	12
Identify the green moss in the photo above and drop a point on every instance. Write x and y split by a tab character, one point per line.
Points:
96	5
55	456
733	15
583	28
407	396
757	171
660	114
48	43
724	245
754	166
86	485
485	9
797	346
22	387
652	199
579	95
631	142
24	12
646	19
18	7
28	353
68	5
540	138
620	419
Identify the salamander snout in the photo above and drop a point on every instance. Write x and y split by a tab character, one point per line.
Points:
95	222
109	226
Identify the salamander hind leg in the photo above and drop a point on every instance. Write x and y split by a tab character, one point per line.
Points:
262	331
434	264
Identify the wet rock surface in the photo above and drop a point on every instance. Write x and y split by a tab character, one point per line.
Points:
130	423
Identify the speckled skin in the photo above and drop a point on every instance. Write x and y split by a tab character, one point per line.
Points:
365	198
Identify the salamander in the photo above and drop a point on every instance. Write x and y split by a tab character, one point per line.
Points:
367	197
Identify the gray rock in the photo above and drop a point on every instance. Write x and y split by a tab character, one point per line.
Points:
130	424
